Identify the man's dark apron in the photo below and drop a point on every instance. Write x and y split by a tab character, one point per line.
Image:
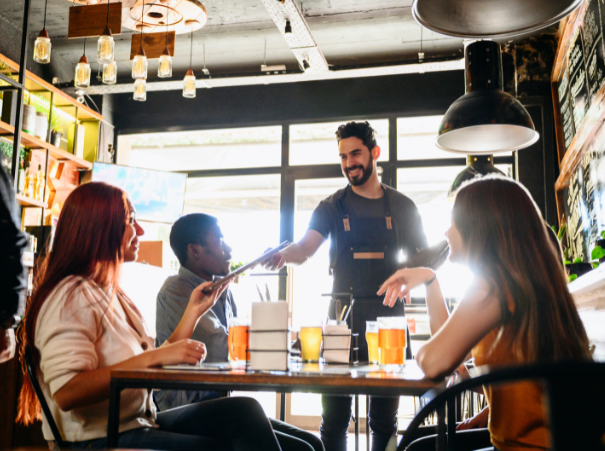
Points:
368	255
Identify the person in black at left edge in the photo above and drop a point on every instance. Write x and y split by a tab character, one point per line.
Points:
369	225
12	276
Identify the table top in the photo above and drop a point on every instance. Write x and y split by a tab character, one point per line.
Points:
301	377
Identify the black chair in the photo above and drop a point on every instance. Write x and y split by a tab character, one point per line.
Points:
60	443
574	394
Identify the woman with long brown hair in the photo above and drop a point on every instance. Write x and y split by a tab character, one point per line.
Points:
517	309
79	326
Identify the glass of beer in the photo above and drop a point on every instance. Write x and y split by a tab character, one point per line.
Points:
239	339
310	343
372	339
392	340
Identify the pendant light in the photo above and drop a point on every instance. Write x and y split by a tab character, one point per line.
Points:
106	44
189	80
481	19
139	62
82	76
165	65
140	90
485	120
478	165
110	73
42	45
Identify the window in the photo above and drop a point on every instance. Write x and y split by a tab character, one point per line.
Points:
201	150
316	143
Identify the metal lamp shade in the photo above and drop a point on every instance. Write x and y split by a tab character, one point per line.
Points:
478	165
485	120
490	18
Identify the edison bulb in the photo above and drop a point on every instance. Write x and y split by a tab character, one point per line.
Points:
165	66
110	73
82	76
140	90
139	67
105	48
42	48
189	85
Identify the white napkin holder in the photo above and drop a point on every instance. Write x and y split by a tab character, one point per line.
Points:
336	343
269	337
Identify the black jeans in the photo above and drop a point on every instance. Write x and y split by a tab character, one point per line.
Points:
226	424
337	414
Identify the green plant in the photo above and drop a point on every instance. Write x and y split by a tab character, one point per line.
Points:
234	266
56	124
597	252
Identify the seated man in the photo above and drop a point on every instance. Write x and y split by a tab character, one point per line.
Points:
197	241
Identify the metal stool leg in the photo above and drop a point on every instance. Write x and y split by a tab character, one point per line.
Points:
356	422
368	423
282	409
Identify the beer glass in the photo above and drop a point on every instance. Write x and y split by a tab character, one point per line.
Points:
310	343
392	340
239	339
372	339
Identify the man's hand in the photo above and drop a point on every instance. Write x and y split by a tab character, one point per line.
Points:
275	262
7	344
479	421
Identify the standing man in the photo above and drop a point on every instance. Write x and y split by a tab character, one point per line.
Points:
369	225
197	241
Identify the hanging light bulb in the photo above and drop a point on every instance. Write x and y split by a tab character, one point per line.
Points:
42	45
110	73
140	90
189	80
165	66
139	62
82	76
105	46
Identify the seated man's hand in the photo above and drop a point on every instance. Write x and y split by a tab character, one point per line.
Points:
7	344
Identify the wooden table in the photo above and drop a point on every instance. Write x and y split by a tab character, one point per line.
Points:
329	379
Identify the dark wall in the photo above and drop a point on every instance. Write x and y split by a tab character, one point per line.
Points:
401	95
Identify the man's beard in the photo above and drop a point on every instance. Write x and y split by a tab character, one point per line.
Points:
365	175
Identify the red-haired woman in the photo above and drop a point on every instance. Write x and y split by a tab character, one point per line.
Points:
79	326
517	310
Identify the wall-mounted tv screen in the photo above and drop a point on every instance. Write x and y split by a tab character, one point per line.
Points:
158	196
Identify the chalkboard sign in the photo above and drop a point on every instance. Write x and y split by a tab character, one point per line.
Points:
566	111
592	29
577	80
584	200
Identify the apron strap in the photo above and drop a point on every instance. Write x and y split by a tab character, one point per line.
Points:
340	208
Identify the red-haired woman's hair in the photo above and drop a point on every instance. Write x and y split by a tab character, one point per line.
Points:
508	244
87	243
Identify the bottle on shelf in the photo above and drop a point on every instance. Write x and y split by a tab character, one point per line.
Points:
29	183
39	185
21	187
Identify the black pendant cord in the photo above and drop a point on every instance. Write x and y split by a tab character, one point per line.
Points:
142	24
167	17
84	46
45	4
191	49
108	13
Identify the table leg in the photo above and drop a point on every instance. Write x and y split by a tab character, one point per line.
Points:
441	439
356	422
113	419
282	407
368	436
451	424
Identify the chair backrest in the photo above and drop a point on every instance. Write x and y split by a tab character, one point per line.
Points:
574	396
47	415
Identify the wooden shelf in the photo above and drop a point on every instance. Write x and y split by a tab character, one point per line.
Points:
25	201
27	140
34	83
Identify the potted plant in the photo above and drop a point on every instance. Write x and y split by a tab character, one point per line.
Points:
598	252
56	130
575	268
234	266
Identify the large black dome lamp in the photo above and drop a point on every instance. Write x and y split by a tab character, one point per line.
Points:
485	120
490	19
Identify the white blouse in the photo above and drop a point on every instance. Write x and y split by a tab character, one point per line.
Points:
79	329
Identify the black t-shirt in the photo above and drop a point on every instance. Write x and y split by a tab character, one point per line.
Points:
406	219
